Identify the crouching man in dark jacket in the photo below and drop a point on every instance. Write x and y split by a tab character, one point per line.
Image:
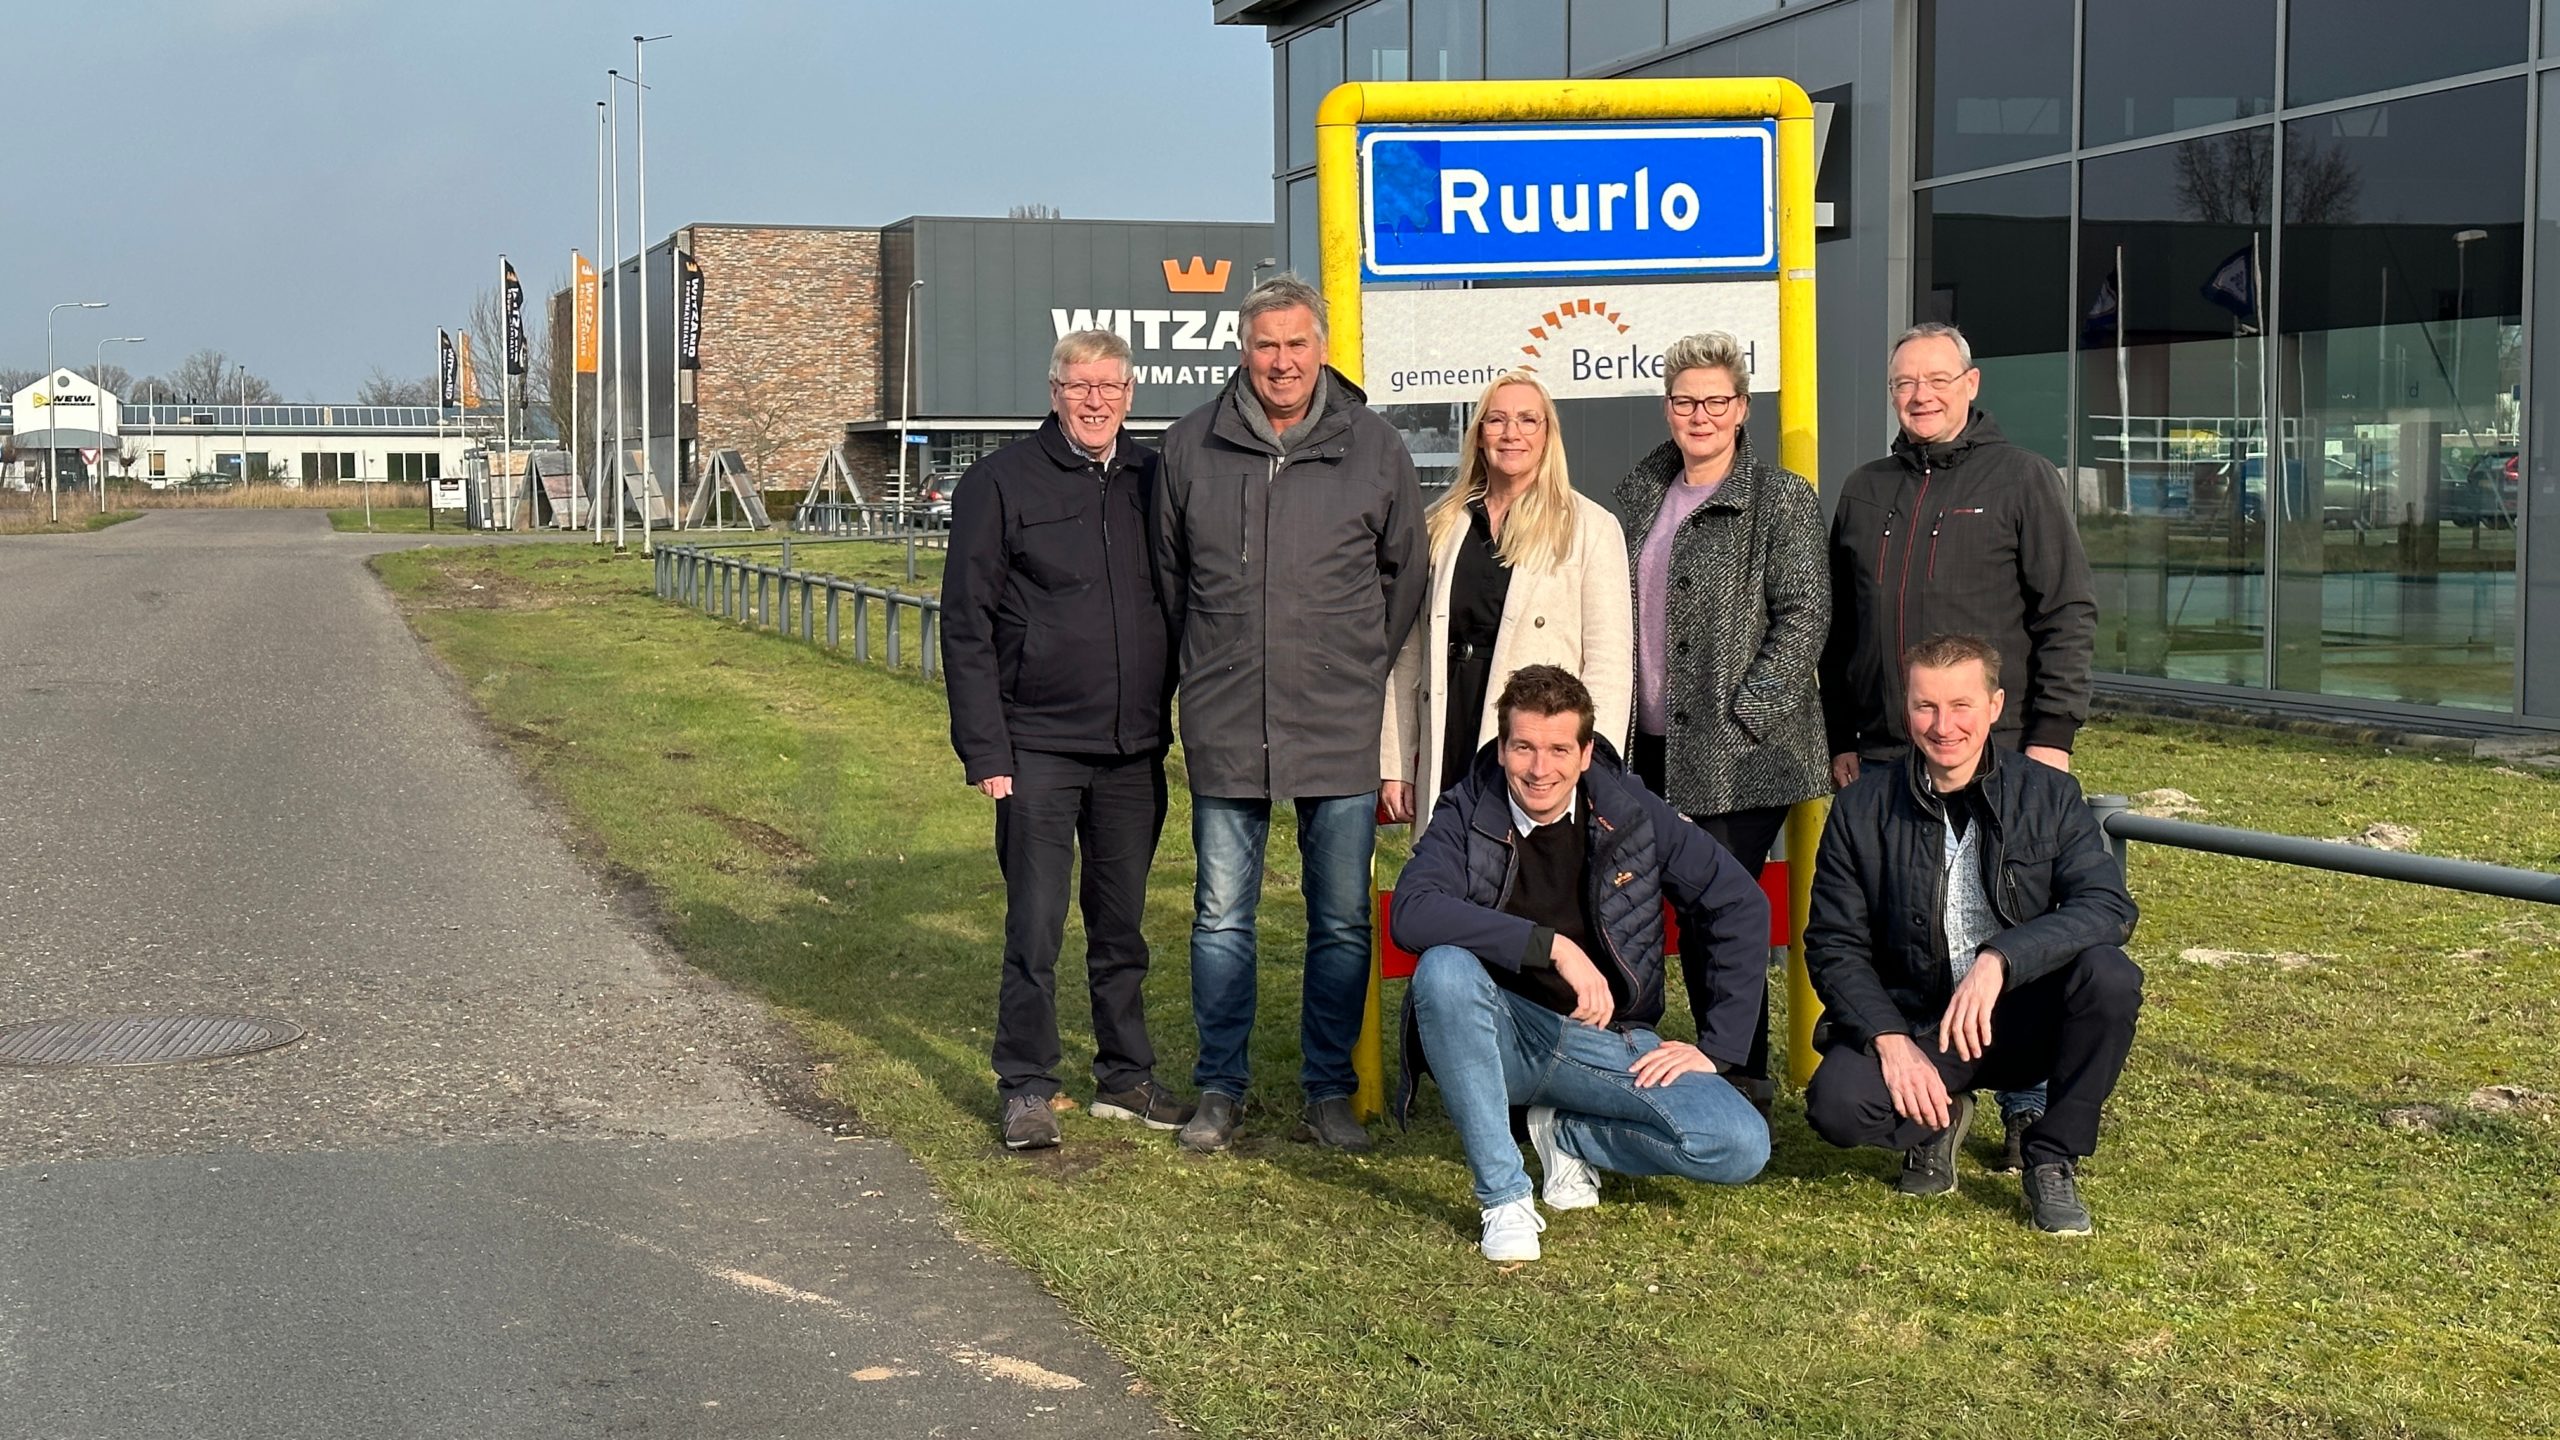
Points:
1967	931
1535	903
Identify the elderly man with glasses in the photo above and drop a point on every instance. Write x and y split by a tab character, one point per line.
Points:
1957	531
1057	653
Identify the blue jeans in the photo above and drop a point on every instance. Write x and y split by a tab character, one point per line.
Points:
2014	1103
1491	1050
1336	839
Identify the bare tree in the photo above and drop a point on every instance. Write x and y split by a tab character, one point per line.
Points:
1035	211
552	362
381	387
2225	179
208	377
762	416
489	352
13	379
115	378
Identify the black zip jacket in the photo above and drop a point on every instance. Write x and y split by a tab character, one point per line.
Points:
1054	635
1875	942
1970	537
1642	853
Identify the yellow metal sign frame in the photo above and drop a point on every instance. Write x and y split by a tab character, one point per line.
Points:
1338	119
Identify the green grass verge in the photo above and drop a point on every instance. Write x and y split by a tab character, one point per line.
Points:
396	520
2271	1258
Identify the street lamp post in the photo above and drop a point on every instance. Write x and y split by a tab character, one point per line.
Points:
906	390
640	165
605	259
52	422
98	377
621	416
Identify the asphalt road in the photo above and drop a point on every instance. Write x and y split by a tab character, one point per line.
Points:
526	1175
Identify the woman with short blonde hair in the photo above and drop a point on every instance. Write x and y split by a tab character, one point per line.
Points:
1733	602
1524	571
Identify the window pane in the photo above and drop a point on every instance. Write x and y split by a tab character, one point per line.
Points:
1524	40
2348	47
1378	42
1448	39
1997	74
2397	368
1315	67
1303	254
1995	260
2534	486
1692	18
1608	31
2147	75
2173	249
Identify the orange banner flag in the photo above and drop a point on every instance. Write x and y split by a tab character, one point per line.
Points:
470	383
583	300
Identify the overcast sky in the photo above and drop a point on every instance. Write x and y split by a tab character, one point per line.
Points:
314	185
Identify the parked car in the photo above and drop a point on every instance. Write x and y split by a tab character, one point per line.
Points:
2346	497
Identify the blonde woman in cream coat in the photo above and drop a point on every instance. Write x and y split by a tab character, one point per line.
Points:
1524	571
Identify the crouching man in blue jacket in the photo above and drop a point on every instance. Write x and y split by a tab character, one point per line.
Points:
1535	902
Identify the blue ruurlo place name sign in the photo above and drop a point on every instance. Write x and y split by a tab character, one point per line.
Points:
1481	202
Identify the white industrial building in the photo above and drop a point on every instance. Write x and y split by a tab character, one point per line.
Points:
80	424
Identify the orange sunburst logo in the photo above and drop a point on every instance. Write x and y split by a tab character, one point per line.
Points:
1570	312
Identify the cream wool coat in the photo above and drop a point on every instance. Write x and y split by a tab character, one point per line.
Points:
1580	615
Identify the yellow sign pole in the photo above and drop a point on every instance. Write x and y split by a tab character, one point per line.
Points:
1349	107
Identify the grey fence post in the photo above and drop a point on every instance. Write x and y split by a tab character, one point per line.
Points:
834	597
926	627
892	617
2106	808
861	624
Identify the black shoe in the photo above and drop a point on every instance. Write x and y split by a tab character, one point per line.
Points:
1213	1125
1929	1168
2053	1198
1029	1123
1329	1122
1145	1102
1758	1089
2013	1154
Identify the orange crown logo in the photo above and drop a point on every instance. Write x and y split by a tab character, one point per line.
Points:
1198	278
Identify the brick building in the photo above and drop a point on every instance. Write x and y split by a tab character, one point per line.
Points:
804	337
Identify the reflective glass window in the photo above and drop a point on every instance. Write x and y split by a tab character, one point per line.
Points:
1524	40
2170	487
1448	39
2348	47
1315	67
2397	374
1995	261
1608	31
1378	42
2146	75
2535	486
1303	254
1692	18
1997	81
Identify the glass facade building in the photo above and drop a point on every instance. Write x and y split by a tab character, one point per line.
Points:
2263	278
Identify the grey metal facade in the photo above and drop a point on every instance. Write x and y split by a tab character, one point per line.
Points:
2326	490
998	293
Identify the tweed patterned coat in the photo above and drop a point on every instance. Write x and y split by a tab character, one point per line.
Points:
1747	606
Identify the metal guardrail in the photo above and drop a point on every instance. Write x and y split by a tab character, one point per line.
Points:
2118	822
801	603
928	529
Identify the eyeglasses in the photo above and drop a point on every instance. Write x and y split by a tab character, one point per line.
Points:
1104	389
1908	384
1526	421
1685	406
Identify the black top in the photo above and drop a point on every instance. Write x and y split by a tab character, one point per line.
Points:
1547	888
1476	594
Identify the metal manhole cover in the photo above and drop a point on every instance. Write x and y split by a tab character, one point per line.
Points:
141	1039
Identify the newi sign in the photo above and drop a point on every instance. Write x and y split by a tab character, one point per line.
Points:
1480	202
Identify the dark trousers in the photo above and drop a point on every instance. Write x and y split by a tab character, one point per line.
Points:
1111	807
1747	835
2072	1028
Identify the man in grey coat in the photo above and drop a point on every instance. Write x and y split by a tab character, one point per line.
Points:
1289	538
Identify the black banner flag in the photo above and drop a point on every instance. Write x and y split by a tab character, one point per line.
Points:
515	321
689	315
448	380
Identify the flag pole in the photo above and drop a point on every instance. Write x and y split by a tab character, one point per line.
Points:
601	255
506	392
569	441
621	411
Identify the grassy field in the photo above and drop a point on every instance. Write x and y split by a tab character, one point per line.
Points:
2308	1226
32	514
395	520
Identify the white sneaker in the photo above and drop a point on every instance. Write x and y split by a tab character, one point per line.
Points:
1572	1184
1511	1231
